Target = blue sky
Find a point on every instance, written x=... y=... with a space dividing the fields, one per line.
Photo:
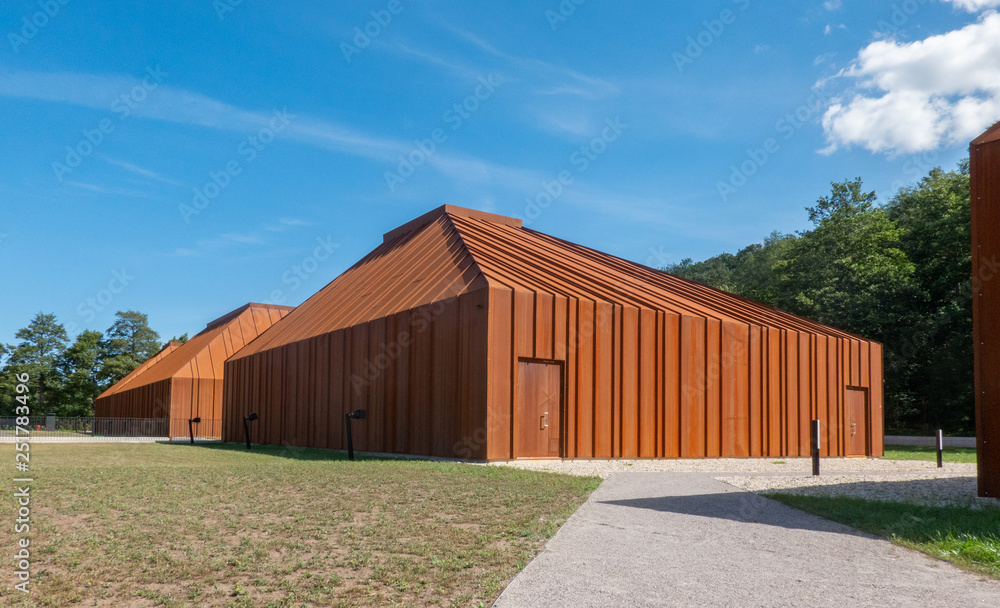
x=184 y=158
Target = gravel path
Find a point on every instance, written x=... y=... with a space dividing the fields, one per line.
x=900 y=480
x=676 y=539
x=604 y=468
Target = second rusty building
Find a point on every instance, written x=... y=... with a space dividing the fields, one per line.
x=465 y=334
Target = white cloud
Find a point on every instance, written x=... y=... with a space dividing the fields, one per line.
x=913 y=97
x=141 y=171
x=974 y=6
x=832 y=5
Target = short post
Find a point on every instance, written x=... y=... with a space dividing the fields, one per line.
x=191 y=423
x=246 y=426
x=940 y=448
x=814 y=432
x=350 y=440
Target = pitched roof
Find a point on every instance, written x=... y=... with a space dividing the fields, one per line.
x=451 y=250
x=991 y=135
x=203 y=355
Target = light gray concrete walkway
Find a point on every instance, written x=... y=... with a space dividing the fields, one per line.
x=685 y=539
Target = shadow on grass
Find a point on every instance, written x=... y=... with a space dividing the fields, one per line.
x=276 y=451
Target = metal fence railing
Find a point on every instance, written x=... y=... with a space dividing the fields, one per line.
x=55 y=429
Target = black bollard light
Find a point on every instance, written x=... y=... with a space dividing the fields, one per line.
x=191 y=423
x=246 y=427
x=940 y=448
x=358 y=414
x=815 y=446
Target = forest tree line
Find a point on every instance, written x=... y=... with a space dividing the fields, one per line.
x=66 y=377
x=899 y=273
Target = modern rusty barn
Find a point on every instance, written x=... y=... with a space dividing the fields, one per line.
x=467 y=335
x=984 y=166
x=184 y=381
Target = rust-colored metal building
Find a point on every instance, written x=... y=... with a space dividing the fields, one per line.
x=984 y=166
x=465 y=334
x=184 y=381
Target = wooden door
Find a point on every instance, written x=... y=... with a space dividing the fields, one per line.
x=857 y=422
x=539 y=400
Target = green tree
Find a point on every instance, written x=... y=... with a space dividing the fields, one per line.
x=849 y=270
x=78 y=367
x=42 y=342
x=935 y=353
x=125 y=346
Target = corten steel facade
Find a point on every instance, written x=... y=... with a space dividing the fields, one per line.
x=184 y=381
x=467 y=335
x=984 y=165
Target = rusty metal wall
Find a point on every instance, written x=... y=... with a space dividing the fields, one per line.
x=984 y=157
x=643 y=383
x=185 y=380
x=420 y=374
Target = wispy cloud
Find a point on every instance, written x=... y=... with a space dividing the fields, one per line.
x=113 y=190
x=141 y=171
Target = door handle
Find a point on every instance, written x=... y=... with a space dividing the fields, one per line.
x=544 y=421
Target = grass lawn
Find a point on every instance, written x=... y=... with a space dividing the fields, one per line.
x=919 y=452
x=967 y=537
x=212 y=525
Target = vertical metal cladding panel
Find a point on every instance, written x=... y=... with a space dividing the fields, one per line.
x=604 y=400
x=757 y=355
x=629 y=376
x=692 y=417
x=876 y=393
x=421 y=355
x=672 y=385
x=713 y=394
x=544 y=325
x=821 y=393
x=586 y=403
x=445 y=390
x=806 y=403
x=374 y=378
x=472 y=374
x=734 y=387
x=321 y=394
x=501 y=375
x=616 y=381
x=775 y=392
x=571 y=352
x=649 y=352
x=791 y=409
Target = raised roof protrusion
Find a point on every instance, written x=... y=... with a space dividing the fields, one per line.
x=430 y=216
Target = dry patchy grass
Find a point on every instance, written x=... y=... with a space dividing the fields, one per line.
x=212 y=525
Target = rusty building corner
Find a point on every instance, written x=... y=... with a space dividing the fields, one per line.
x=984 y=168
